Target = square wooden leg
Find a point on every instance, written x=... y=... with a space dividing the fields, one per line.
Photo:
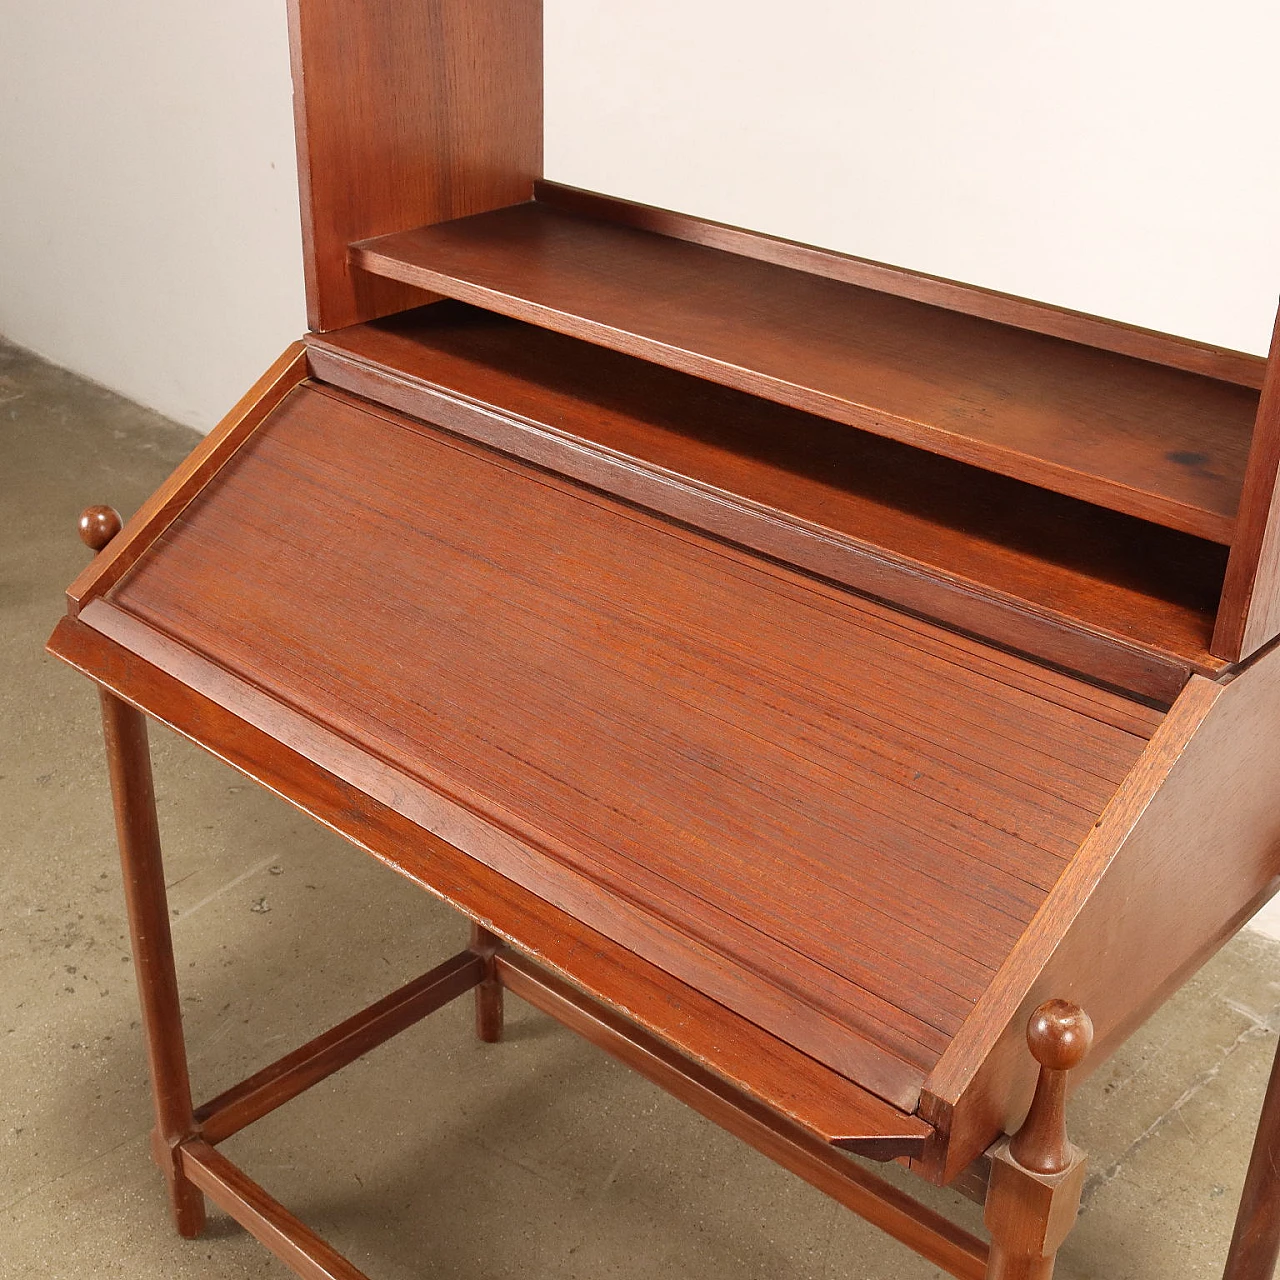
x=489 y=992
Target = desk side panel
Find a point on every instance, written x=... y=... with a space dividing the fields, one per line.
x=1184 y=854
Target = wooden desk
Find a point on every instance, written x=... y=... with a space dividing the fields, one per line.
x=841 y=694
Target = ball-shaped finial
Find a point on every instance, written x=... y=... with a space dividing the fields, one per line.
x=1059 y=1035
x=98 y=525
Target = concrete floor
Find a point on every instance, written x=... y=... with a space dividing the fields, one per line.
x=435 y=1156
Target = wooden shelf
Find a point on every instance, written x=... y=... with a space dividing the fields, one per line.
x=1165 y=445
x=1080 y=586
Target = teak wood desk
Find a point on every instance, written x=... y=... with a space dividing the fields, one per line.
x=844 y=695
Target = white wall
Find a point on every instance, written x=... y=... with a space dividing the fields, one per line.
x=148 y=194
x=1116 y=156
x=1111 y=155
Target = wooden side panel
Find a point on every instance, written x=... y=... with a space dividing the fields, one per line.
x=1186 y=851
x=407 y=114
x=1249 y=614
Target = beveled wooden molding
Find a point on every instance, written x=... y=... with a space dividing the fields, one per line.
x=1239 y=367
x=200 y=466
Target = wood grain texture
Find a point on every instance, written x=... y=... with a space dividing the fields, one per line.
x=1128 y=603
x=690 y=727
x=1188 y=849
x=1022 y=313
x=1249 y=614
x=407 y=114
x=109 y=565
x=1154 y=442
x=283 y=756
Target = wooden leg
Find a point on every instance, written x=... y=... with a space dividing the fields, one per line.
x=489 y=991
x=1255 y=1246
x=129 y=760
x=1037 y=1175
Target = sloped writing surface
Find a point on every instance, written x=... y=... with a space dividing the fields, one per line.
x=835 y=819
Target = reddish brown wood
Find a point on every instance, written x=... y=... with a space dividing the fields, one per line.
x=314 y=1061
x=919 y=805
x=98 y=525
x=1255 y=1242
x=204 y=461
x=929 y=1234
x=1154 y=442
x=1022 y=313
x=407 y=114
x=129 y=764
x=265 y=1218
x=1037 y=1176
x=1129 y=603
x=1249 y=615
x=489 y=990
x=1186 y=852
x=1059 y=1036
x=792 y=1085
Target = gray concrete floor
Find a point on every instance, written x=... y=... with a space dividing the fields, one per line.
x=435 y=1156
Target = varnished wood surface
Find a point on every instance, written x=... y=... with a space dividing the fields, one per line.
x=656 y=722
x=407 y=114
x=1023 y=313
x=1186 y=852
x=1136 y=437
x=1249 y=615
x=191 y=475
x=142 y=873
x=278 y=748
x=1130 y=603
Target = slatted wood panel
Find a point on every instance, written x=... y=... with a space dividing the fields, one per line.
x=855 y=812
x=846 y=504
x=1154 y=442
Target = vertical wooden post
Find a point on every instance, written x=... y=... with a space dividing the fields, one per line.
x=1037 y=1175
x=1255 y=1245
x=489 y=992
x=124 y=731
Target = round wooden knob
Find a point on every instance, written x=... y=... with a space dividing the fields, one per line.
x=1059 y=1035
x=98 y=525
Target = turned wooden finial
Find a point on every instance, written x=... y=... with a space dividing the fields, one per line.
x=98 y=525
x=1059 y=1035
